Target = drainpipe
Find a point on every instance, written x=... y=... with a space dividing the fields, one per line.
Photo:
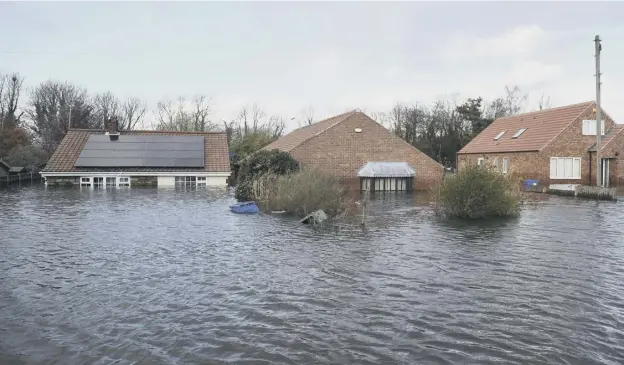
x=590 y=169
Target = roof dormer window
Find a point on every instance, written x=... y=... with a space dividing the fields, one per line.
x=519 y=133
x=498 y=136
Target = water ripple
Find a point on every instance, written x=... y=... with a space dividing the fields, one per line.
x=150 y=276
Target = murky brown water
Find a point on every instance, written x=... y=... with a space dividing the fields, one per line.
x=152 y=276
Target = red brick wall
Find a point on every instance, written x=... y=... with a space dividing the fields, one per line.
x=521 y=164
x=536 y=165
x=341 y=151
x=615 y=150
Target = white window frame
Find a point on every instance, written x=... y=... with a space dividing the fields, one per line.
x=557 y=162
x=201 y=180
x=519 y=132
x=187 y=180
x=102 y=183
x=86 y=181
x=495 y=163
x=480 y=161
x=588 y=127
x=505 y=165
x=500 y=135
x=123 y=181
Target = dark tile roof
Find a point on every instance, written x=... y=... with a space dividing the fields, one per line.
x=542 y=127
x=297 y=137
x=63 y=160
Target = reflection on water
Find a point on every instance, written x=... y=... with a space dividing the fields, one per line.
x=156 y=276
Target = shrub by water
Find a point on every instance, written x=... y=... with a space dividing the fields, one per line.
x=477 y=192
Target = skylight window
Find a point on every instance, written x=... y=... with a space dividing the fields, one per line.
x=519 y=133
x=498 y=136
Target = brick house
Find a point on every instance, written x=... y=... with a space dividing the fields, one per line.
x=347 y=143
x=553 y=146
x=112 y=158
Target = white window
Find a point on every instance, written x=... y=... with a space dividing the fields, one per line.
x=201 y=180
x=589 y=127
x=124 y=181
x=495 y=163
x=85 y=181
x=480 y=161
x=498 y=136
x=565 y=167
x=519 y=133
x=505 y=165
x=98 y=181
x=185 y=180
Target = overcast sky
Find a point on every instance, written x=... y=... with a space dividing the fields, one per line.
x=287 y=56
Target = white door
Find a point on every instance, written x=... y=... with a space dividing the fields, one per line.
x=605 y=172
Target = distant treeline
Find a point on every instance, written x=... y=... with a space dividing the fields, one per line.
x=34 y=121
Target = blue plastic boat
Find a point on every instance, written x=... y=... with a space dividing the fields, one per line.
x=244 y=208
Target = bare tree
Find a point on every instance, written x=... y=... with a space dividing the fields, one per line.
x=51 y=107
x=132 y=113
x=201 y=111
x=514 y=100
x=10 y=92
x=181 y=117
x=242 y=119
x=257 y=117
x=543 y=102
x=105 y=106
x=307 y=116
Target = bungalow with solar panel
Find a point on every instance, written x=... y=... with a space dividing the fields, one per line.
x=555 y=147
x=361 y=152
x=113 y=158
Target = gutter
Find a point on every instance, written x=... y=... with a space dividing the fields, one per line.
x=137 y=173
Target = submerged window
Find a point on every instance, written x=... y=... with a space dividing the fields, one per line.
x=124 y=181
x=498 y=136
x=186 y=180
x=518 y=133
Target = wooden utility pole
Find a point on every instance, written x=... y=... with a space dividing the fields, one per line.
x=598 y=114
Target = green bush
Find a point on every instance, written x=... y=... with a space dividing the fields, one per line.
x=300 y=193
x=477 y=192
x=273 y=162
x=26 y=156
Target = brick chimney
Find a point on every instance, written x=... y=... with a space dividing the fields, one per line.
x=113 y=126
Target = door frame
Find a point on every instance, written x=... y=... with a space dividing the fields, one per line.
x=605 y=171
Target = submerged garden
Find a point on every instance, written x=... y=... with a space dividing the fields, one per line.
x=277 y=183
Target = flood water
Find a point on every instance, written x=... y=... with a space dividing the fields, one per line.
x=147 y=276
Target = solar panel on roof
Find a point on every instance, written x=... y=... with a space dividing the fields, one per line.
x=189 y=154
x=142 y=151
x=158 y=162
x=188 y=162
x=128 y=154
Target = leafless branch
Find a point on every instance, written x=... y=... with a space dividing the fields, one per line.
x=133 y=113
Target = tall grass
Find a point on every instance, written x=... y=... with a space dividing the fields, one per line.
x=478 y=192
x=300 y=193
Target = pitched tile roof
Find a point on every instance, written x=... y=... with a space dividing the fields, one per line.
x=608 y=137
x=215 y=145
x=297 y=137
x=541 y=128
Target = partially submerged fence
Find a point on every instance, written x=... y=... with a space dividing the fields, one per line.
x=19 y=178
x=584 y=191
